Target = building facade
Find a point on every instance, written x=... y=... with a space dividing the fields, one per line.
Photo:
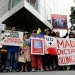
x=30 y=14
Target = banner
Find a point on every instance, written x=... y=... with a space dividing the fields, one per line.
x=37 y=46
x=66 y=51
x=50 y=45
x=59 y=21
x=13 y=38
x=1 y=40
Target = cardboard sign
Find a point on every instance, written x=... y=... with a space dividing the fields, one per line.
x=13 y=38
x=66 y=51
x=50 y=45
x=37 y=46
x=2 y=26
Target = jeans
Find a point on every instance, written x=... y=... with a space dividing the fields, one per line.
x=15 y=56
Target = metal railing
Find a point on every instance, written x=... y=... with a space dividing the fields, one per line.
x=6 y=5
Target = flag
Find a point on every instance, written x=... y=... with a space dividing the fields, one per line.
x=39 y=33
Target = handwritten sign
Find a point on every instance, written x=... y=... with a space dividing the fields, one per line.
x=13 y=38
x=66 y=51
x=50 y=45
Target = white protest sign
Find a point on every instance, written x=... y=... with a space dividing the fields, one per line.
x=13 y=38
x=2 y=26
x=50 y=45
x=1 y=40
x=66 y=51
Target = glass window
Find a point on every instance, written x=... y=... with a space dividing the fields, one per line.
x=42 y=11
x=47 y=8
x=42 y=3
x=52 y=3
x=14 y=2
x=48 y=17
x=52 y=12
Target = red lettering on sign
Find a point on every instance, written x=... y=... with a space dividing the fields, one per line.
x=60 y=43
x=13 y=40
x=72 y=43
x=61 y=52
x=67 y=44
x=65 y=60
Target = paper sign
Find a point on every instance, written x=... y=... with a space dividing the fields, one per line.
x=37 y=46
x=66 y=51
x=50 y=45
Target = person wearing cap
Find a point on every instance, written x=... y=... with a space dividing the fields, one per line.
x=47 y=58
x=35 y=58
x=12 y=50
x=25 y=52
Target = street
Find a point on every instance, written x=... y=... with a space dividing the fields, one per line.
x=41 y=73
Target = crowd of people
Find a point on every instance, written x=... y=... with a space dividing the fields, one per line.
x=31 y=62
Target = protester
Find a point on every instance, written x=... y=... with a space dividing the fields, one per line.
x=35 y=58
x=25 y=52
x=48 y=57
x=12 y=50
x=72 y=35
x=57 y=35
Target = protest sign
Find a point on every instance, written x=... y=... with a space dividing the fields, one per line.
x=1 y=40
x=50 y=45
x=66 y=51
x=13 y=38
x=37 y=46
x=2 y=26
x=59 y=21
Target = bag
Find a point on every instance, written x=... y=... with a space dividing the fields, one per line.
x=22 y=59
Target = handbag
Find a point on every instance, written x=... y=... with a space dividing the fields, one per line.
x=22 y=59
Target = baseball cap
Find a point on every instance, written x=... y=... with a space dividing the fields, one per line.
x=34 y=31
x=26 y=32
x=47 y=29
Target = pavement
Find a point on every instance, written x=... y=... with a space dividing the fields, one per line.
x=41 y=73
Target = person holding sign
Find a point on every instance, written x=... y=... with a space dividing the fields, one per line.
x=72 y=35
x=35 y=58
x=48 y=57
x=12 y=50
x=57 y=35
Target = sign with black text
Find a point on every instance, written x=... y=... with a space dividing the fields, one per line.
x=50 y=45
x=14 y=38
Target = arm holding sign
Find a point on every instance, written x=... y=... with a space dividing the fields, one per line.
x=65 y=35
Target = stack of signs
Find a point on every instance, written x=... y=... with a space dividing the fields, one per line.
x=50 y=45
x=13 y=38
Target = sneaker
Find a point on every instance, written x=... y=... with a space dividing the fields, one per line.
x=6 y=70
x=15 y=70
x=41 y=70
x=33 y=70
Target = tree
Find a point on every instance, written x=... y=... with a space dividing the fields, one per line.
x=72 y=19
